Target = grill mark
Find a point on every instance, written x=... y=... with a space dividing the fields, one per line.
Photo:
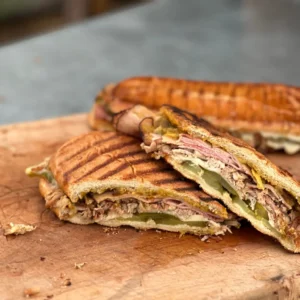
x=120 y=168
x=69 y=144
x=159 y=169
x=187 y=189
x=148 y=171
x=123 y=166
x=200 y=91
x=96 y=154
x=170 y=95
x=217 y=91
x=109 y=161
x=90 y=146
x=207 y=199
x=152 y=92
x=167 y=180
x=185 y=94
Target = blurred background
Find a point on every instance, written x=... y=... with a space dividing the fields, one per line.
x=60 y=72
x=20 y=19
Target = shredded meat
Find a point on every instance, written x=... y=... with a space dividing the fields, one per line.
x=236 y=174
x=110 y=208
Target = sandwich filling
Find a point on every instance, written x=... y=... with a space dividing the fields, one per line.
x=263 y=141
x=119 y=206
x=223 y=176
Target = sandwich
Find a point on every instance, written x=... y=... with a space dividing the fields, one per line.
x=224 y=166
x=265 y=115
x=106 y=178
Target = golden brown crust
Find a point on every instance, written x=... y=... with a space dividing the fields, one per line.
x=268 y=107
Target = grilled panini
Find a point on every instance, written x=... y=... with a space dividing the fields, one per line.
x=106 y=178
x=225 y=167
x=266 y=116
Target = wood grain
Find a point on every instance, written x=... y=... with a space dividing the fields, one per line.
x=123 y=264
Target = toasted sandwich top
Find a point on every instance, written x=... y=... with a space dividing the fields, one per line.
x=108 y=160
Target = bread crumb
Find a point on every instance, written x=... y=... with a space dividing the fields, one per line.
x=17 y=229
x=181 y=234
x=111 y=230
x=31 y=292
x=204 y=238
x=67 y=282
x=79 y=265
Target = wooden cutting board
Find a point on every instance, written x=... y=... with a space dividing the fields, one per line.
x=123 y=263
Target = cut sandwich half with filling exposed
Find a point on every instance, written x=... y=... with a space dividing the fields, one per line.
x=225 y=167
x=106 y=178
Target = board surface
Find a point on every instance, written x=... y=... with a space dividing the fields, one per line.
x=123 y=263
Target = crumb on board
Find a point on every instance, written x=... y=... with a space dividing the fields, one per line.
x=67 y=282
x=205 y=238
x=181 y=234
x=49 y=296
x=17 y=229
x=111 y=230
x=42 y=258
x=31 y=292
x=79 y=265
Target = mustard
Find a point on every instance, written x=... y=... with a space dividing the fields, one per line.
x=258 y=180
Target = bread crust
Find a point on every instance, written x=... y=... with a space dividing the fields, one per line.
x=240 y=106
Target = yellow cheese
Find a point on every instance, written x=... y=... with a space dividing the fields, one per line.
x=258 y=180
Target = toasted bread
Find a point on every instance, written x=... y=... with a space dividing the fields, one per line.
x=266 y=115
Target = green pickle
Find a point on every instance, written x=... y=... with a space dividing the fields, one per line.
x=260 y=211
x=165 y=219
x=220 y=184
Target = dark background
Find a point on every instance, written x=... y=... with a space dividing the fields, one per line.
x=23 y=18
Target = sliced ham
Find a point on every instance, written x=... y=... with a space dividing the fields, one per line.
x=208 y=151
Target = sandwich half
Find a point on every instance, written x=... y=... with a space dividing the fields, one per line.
x=225 y=167
x=106 y=178
x=265 y=115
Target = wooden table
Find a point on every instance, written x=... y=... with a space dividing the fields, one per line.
x=123 y=263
